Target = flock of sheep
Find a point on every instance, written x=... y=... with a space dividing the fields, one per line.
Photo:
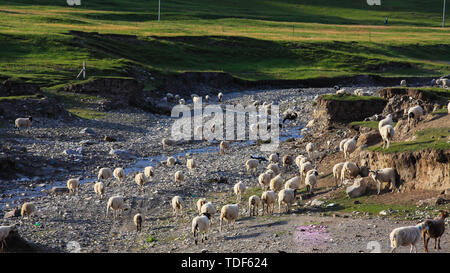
x=275 y=187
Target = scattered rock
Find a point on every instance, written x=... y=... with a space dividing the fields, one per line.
x=357 y=189
x=88 y=131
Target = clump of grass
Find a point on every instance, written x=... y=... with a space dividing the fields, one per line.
x=434 y=138
x=151 y=239
x=442 y=111
x=368 y=124
x=349 y=97
x=19 y=97
x=86 y=113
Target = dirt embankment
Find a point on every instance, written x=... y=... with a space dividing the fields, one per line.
x=36 y=107
x=13 y=88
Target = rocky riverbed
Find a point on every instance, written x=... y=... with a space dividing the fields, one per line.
x=53 y=151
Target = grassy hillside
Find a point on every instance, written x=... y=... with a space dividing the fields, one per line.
x=252 y=39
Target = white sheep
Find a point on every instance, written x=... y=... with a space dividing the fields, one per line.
x=414 y=114
x=264 y=179
x=274 y=168
x=220 y=96
x=200 y=203
x=273 y=158
x=389 y=175
x=200 y=224
x=4 y=232
x=251 y=165
x=23 y=122
x=403 y=83
x=140 y=179
x=149 y=172
x=310 y=148
x=253 y=205
x=268 y=199
x=448 y=108
x=179 y=177
x=387 y=133
x=167 y=142
x=341 y=91
x=207 y=98
x=196 y=99
x=177 y=205
x=137 y=220
x=359 y=92
x=276 y=183
x=404 y=236
x=182 y=102
x=286 y=196
x=119 y=174
x=299 y=160
x=311 y=180
x=349 y=169
x=341 y=144
x=27 y=210
x=190 y=164
x=99 y=189
x=305 y=167
x=224 y=146
x=171 y=161
x=293 y=183
x=105 y=174
x=239 y=189
x=115 y=203
x=349 y=147
x=209 y=208
x=73 y=184
x=229 y=213
x=386 y=121
x=337 y=169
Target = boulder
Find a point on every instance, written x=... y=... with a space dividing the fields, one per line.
x=59 y=190
x=368 y=139
x=357 y=189
x=13 y=213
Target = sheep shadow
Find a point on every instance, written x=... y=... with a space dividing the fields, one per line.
x=277 y=223
x=245 y=236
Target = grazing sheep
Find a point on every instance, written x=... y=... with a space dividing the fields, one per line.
x=140 y=179
x=305 y=167
x=253 y=205
x=99 y=189
x=229 y=213
x=167 y=142
x=251 y=165
x=359 y=92
x=119 y=174
x=293 y=183
x=341 y=144
x=276 y=183
x=404 y=236
x=105 y=173
x=137 y=219
x=27 y=210
x=200 y=224
x=337 y=169
x=224 y=147
x=286 y=196
x=274 y=168
x=196 y=99
x=386 y=121
x=200 y=203
x=179 y=177
x=268 y=199
x=207 y=98
x=299 y=160
x=311 y=180
x=349 y=146
x=443 y=82
x=287 y=160
x=73 y=184
x=414 y=114
x=289 y=115
x=435 y=229
x=273 y=158
x=389 y=175
x=403 y=83
x=171 y=161
x=182 y=102
x=349 y=169
x=239 y=189
x=177 y=205
x=209 y=208
x=115 y=203
x=23 y=122
x=264 y=179
x=309 y=149
x=448 y=108
x=149 y=172
x=4 y=232
x=190 y=164
x=220 y=96
x=387 y=133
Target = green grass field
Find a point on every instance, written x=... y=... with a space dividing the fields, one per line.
x=253 y=40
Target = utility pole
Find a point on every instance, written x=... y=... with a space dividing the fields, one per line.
x=443 y=15
x=159 y=10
